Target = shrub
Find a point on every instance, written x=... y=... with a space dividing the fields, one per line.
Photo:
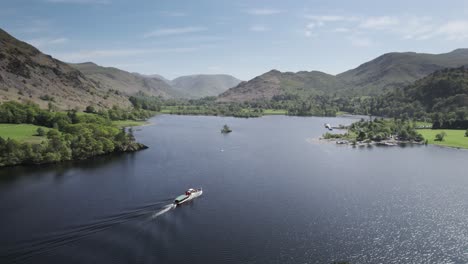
x=40 y=132
x=440 y=136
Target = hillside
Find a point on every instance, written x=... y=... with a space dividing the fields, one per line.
x=444 y=92
x=28 y=74
x=276 y=83
x=126 y=82
x=202 y=85
x=385 y=73
x=393 y=70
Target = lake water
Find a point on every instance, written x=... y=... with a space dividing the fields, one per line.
x=271 y=195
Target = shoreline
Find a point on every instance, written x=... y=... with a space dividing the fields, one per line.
x=384 y=143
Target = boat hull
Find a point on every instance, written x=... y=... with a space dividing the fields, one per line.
x=180 y=200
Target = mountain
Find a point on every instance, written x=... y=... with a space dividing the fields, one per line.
x=393 y=70
x=442 y=91
x=126 y=82
x=385 y=73
x=276 y=83
x=28 y=74
x=157 y=76
x=202 y=85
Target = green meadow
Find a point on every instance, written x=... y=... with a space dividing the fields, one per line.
x=454 y=138
x=21 y=132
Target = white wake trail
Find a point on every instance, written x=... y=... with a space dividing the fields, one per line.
x=165 y=209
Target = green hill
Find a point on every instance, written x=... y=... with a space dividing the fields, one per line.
x=444 y=92
x=276 y=84
x=396 y=70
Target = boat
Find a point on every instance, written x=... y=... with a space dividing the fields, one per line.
x=190 y=194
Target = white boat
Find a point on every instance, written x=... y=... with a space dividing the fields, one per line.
x=190 y=194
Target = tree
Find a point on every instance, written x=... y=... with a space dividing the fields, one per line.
x=40 y=132
x=440 y=136
x=90 y=109
x=226 y=129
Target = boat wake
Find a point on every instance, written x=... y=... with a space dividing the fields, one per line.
x=165 y=209
x=31 y=248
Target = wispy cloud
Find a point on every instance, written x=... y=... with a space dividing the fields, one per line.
x=382 y=22
x=79 y=1
x=46 y=42
x=173 y=31
x=454 y=30
x=263 y=11
x=331 y=18
x=405 y=27
x=341 y=30
x=108 y=53
x=259 y=28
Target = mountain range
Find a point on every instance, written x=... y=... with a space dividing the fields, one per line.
x=28 y=74
x=385 y=73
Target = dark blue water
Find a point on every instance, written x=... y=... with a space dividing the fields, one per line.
x=272 y=194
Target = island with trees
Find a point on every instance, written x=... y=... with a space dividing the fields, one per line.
x=378 y=131
x=226 y=129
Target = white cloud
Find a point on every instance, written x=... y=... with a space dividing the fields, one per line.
x=331 y=18
x=79 y=1
x=91 y=55
x=312 y=25
x=46 y=42
x=263 y=11
x=173 y=31
x=454 y=30
x=382 y=22
x=259 y=28
x=341 y=30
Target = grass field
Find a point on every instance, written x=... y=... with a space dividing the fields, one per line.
x=21 y=132
x=275 y=112
x=129 y=123
x=454 y=138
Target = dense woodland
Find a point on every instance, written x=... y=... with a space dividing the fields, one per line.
x=71 y=136
x=441 y=97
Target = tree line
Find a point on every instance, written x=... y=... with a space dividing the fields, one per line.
x=70 y=136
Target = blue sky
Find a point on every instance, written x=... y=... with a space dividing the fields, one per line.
x=239 y=37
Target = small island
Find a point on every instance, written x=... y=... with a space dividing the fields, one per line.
x=226 y=129
x=379 y=131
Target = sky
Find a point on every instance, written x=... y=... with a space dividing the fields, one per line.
x=244 y=38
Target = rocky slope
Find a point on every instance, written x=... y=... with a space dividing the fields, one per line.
x=28 y=74
x=126 y=82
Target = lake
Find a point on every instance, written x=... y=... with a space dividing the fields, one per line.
x=272 y=194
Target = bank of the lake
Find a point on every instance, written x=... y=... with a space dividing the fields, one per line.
x=63 y=136
x=129 y=123
x=454 y=138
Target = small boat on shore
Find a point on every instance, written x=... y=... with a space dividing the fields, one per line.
x=190 y=194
